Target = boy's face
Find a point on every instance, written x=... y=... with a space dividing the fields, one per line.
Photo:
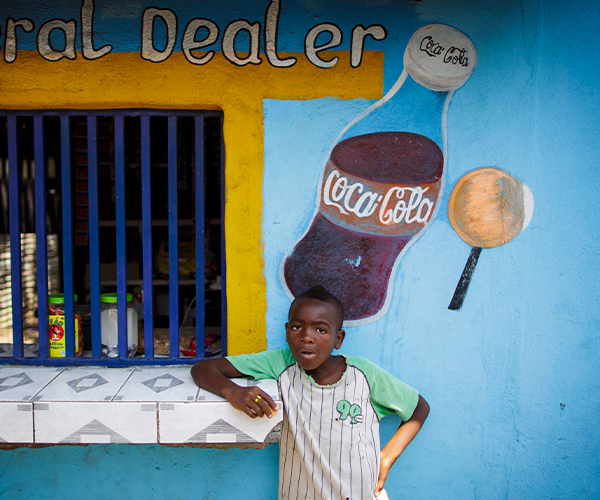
x=312 y=333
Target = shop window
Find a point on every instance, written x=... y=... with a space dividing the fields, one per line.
x=127 y=202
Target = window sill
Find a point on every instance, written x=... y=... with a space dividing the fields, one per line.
x=134 y=405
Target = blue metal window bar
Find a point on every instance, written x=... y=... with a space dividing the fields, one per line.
x=66 y=155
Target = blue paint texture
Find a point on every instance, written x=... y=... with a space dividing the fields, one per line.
x=513 y=378
x=138 y=471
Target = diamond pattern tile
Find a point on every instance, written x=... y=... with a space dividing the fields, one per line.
x=16 y=380
x=86 y=384
x=23 y=383
x=169 y=383
x=162 y=383
x=83 y=405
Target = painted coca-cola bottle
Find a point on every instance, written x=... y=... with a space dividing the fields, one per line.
x=382 y=181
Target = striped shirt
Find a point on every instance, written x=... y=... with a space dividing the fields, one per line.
x=330 y=445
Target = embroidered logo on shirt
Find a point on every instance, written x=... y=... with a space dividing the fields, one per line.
x=353 y=411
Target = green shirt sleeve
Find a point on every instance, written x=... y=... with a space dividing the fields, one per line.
x=388 y=394
x=263 y=365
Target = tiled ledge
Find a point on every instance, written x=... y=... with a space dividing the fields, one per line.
x=135 y=405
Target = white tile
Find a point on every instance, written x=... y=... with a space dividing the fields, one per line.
x=83 y=405
x=22 y=383
x=212 y=423
x=169 y=383
x=86 y=384
x=16 y=422
x=79 y=422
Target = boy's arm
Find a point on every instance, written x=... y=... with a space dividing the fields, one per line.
x=213 y=375
x=400 y=440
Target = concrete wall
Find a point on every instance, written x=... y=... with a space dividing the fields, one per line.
x=512 y=377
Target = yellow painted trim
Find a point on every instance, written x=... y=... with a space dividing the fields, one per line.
x=124 y=80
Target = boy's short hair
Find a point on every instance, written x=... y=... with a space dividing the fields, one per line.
x=319 y=292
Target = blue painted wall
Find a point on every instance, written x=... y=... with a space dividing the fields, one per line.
x=513 y=378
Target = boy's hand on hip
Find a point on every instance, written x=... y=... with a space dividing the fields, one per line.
x=385 y=464
x=253 y=401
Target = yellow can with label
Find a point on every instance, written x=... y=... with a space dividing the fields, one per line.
x=56 y=327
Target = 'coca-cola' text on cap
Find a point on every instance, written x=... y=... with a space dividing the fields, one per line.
x=440 y=58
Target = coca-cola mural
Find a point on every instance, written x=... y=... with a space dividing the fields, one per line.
x=363 y=224
x=382 y=181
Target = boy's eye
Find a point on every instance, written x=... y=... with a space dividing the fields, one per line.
x=295 y=327
x=321 y=330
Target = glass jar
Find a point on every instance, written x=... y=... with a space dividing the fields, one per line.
x=109 y=326
x=56 y=326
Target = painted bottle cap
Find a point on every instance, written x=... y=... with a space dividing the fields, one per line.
x=440 y=58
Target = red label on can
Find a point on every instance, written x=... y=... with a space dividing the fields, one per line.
x=56 y=333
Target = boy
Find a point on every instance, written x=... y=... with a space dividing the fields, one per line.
x=330 y=440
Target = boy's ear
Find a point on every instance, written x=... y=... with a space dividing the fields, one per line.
x=340 y=336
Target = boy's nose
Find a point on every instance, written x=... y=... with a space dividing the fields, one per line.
x=306 y=338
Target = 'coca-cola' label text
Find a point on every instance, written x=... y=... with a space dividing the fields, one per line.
x=374 y=207
x=452 y=54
